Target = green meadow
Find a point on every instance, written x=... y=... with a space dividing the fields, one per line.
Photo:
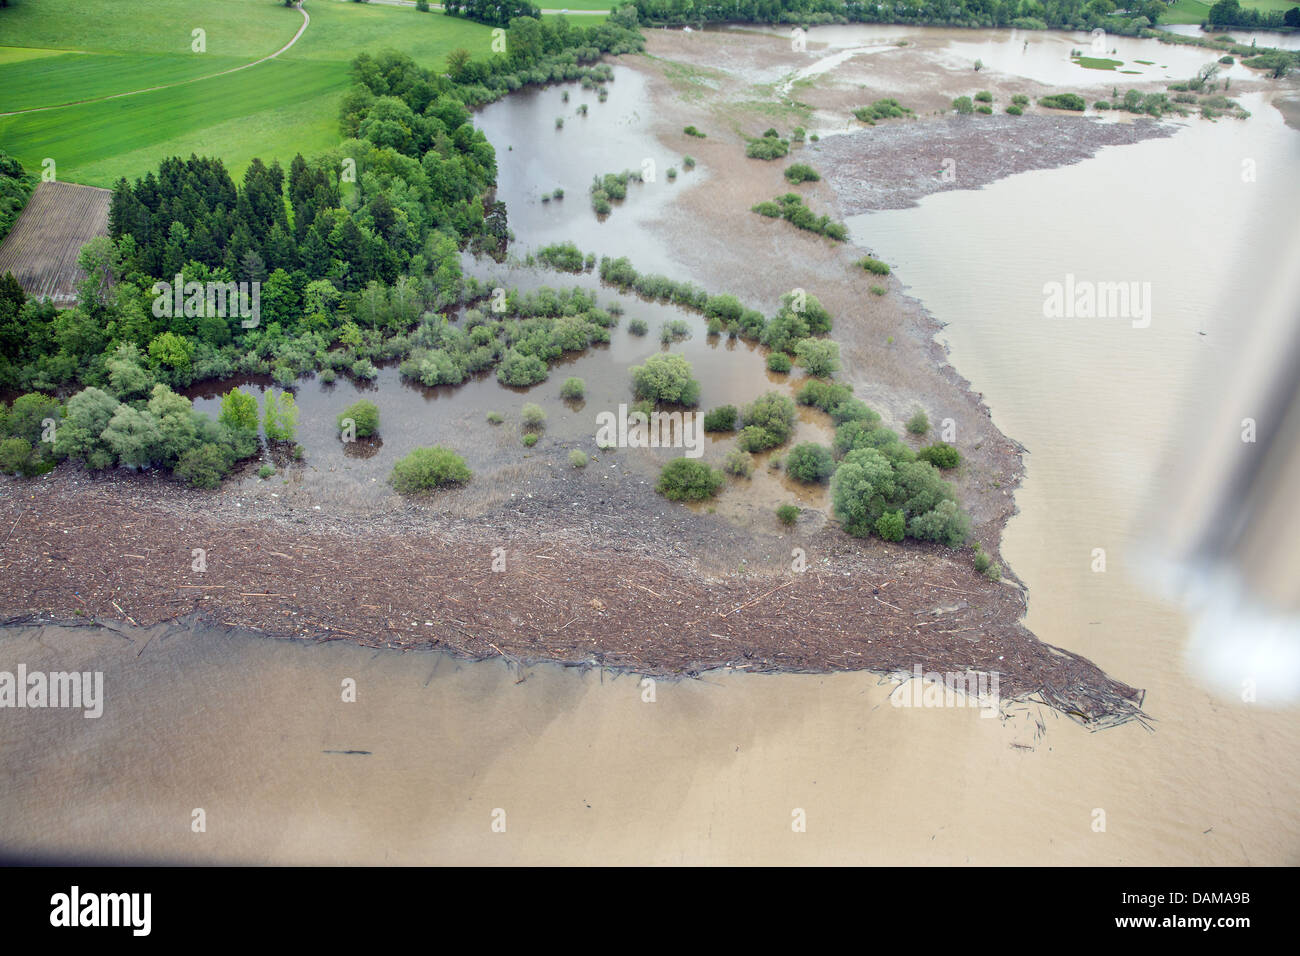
x=1195 y=11
x=272 y=110
x=1097 y=63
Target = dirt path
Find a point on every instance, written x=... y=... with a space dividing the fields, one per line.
x=306 y=20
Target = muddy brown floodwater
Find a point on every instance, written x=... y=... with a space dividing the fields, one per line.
x=594 y=765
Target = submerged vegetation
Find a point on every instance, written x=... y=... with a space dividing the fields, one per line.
x=791 y=208
x=530 y=333
x=801 y=173
x=429 y=469
x=666 y=378
x=1064 y=101
x=881 y=110
x=685 y=479
x=768 y=146
x=612 y=187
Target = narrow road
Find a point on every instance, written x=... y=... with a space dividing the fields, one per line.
x=306 y=20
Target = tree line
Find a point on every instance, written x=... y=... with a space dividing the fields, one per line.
x=1022 y=14
x=1230 y=13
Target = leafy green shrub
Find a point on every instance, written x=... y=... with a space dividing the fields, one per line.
x=945 y=523
x=767 y=147
x=364 y=416
x=878 y=290
x=26 y=419
x=1015 y=110
x=984 y=96
x=994 y=573
x=853 y=435
x=665 y=378
x=941 y=455
x=638 y=327
x=874 y=266
x=984 y=109
x=820 y=358
x=739 y=463
x=1064 y=101
x=853 y=410
x=810 y=462
x=778 y=362
x=982 y=561
x=881 y=110
x=520 y=370
x=203 y=466
x=791 y=208
x=17 y=458
x=495 y=418
x=427 y=469
x=563 y=256
x=721 y=419
x=824 y=395
x=787 y=514
x=801 y=173
x=674 y=330
x=530 y=439
x=672 y=172
x=963 y=105
x=238 y=410
x=281 y=416
x=1104 y=106
x=685 y=479
x=266 y=471
x=769 y=421
x=578 y=458
x=918 y=424
x=891 y=526
x=692 y=131
x=753 y=438
x=1020 y=99
x=573 y=388
x=532 y=415
x=869 y=483
x=688 y=162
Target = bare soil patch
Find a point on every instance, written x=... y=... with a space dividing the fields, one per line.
x=42 y=248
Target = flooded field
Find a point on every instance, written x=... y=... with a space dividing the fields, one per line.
x=730 y=371
x=585 y=768
x=1263 y=38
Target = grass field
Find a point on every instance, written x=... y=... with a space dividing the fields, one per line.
x=55 y=51
x=1194 y=11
